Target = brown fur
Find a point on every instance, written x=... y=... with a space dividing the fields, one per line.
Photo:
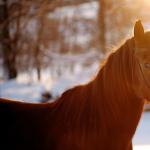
x=101 y=115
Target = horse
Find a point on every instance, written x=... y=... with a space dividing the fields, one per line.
x=102 y=114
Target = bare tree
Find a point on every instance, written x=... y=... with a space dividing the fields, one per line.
x=29 y=33
x=5 y=41
x=115 y=20
x=102 y=24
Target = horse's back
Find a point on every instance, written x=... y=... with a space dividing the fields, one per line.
x=23 y=125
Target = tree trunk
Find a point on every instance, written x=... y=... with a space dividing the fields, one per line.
x=102 y=25
x=38 y=72
x=7 y=51
x=37 y=52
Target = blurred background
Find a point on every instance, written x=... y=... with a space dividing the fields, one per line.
x=48 y=46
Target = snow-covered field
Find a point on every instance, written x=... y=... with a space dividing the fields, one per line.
x=141 y=139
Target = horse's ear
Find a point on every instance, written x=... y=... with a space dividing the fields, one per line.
x=138 y=32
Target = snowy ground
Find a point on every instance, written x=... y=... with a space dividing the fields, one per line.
x=141 y=139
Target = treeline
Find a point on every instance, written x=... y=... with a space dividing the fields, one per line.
x=30 y=31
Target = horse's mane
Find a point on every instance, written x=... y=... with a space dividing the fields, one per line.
x=97 y=104
x=118 y=74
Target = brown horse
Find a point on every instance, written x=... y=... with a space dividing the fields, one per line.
x=101 y=115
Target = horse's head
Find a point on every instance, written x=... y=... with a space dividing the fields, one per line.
x=142 y=54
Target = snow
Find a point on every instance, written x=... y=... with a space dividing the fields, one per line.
x=21 y=91
x=143 y=147
x=143 y=130
x=27 y=88
x=141 y=139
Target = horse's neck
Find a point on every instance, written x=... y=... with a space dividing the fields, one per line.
x=115 y=91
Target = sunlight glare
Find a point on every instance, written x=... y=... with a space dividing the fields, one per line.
x=146 y=2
